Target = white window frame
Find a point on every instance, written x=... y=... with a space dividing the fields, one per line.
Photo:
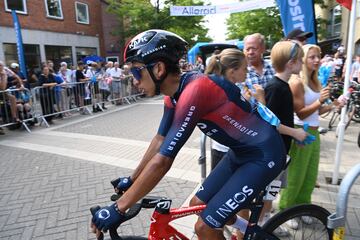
x=21 y=12
x=50 y=16
x=87 y=10
x=358 y=9
x=109 y=57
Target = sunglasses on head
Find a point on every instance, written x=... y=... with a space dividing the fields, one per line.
x=136 y=71
x=293 y=50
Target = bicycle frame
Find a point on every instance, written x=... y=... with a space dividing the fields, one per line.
x=163 y=215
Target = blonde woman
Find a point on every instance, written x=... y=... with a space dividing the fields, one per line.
x=308 y=100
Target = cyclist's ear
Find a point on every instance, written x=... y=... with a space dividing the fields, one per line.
x=159 y=70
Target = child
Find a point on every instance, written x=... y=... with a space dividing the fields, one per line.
x=286 y=57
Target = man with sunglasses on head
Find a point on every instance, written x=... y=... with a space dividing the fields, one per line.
x=216 y=106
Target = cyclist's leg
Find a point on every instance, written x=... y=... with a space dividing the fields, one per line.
x=239 y=190
x=215 y=181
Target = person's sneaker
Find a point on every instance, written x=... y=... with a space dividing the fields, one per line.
x=293 y=223
x=282 y=231
x=307 y=220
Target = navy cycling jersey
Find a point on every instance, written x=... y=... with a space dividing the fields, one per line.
x=217 y=107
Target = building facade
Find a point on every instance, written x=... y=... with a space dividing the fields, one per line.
x=57 y=30
x=337 y=24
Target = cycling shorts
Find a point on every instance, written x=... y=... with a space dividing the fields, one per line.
x=234 y=183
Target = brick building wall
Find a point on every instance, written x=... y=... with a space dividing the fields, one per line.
x=36 y=18
x=111 y=26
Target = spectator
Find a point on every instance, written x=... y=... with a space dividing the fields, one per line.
x=128 y=78
x=23 y=102
x=116 y=75
x=299 y=35
x=7 y=97
x=259 y=71
x=341 y=50
x=308 y=99
x=47 y=94
x=16 y=69
x=286 y=59
x=94 y=73
x=80 y=87
x=67 y=77
x=355 y=69
x=338 y=63
x=326 y=70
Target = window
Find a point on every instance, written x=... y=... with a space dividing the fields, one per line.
x=358 y=9
x=58 y=54
x=31 y=54
x=53 y=9
x=82 y=52
x=82 y=13
x=112 y=58
x=334 y=25
x=18 y=5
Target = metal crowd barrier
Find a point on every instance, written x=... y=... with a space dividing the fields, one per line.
x=337 y=220
x=16 y=104
x=62 y=99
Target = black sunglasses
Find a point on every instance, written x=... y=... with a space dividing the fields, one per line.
x=136 y=71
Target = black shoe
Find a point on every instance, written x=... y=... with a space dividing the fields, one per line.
x=103 y=107
x=98 y=109
x=95 y=110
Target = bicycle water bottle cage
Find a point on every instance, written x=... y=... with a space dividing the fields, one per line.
x=163 y=206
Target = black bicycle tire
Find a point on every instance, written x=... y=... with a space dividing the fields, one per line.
x=312 y=210
x=333 y=118
x=350 y=113
x=356 y=116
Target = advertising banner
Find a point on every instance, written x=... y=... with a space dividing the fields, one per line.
x=217 y=9
x=298 y=14
x=19 y=43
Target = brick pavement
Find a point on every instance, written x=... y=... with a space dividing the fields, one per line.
x=109 y=143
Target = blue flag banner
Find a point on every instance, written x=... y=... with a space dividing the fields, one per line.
x=298 y=14
x=19 y=43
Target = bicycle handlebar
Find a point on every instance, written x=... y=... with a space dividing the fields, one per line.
x=147 y=202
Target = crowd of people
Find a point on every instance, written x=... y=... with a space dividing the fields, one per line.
x=61 y=91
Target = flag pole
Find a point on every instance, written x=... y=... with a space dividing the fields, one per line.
x=350 y=47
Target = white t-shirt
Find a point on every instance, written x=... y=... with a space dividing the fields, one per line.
x=115 y=73
x=355 y=68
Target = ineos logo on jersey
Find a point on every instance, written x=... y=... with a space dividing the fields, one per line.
x=201 y=188
x=104 y=214
x=231 y=204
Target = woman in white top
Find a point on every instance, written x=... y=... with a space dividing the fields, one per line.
x=308 y=98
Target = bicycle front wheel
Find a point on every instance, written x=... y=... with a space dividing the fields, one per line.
x=311 y=223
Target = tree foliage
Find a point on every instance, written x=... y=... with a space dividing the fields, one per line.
x=140 y=15
x=264 y=21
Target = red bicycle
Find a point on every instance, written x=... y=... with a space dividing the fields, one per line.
x=164 y=214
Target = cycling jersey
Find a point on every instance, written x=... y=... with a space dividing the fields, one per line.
x=217 y=107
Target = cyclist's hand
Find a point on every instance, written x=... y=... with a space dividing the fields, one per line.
x=122 y=184
x=107 y=217
x=324 y=94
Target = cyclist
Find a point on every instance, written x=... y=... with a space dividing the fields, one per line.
x=214 y=104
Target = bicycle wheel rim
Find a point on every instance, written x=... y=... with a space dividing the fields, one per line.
x=315 y=231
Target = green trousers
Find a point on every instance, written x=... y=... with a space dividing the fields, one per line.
x=302 y=173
